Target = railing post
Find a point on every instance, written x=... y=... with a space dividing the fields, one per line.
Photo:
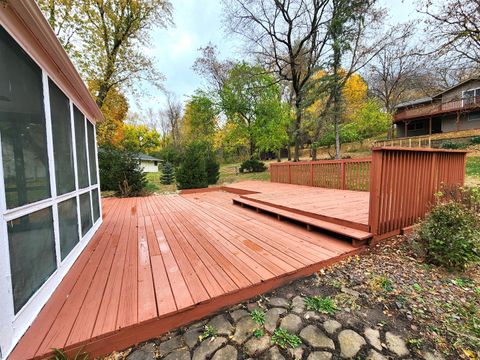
x=311 y=174
x=375 y=191
x=342 y=174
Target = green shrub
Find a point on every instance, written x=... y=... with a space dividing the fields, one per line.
x=252 y=165
x=191 y=173
x=450 y=235
x=168 y=174
x=284 y=339
x=475 y=140
x=324 y=305
x=453 y=145
x=213 y=169
x=120 y=171
x=169 y=154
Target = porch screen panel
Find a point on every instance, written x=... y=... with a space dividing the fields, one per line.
x=22 y=126
x=82 y=166
x=68 y=224
x=91 y=153
x=32 y=254
x=62 y=140
x=85 y=212
x=95 y=205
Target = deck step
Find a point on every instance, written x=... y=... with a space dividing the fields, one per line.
x=358 y=236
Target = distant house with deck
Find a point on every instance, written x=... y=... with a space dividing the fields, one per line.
x=148 y=163
x=455 y=109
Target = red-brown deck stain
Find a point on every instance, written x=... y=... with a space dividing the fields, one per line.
x=253 y=246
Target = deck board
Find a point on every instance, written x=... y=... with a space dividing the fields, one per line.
x=160 y=262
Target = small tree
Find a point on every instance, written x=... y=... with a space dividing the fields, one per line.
x=168 y=174
x=120 y=171
x=192 y=172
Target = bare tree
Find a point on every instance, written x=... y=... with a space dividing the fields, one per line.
x=395 y=70
x=211 y=68
x=288 y=36
x=172 y=115
x=454 y=28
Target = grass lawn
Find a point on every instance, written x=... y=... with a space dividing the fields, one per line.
x=228 y=174
x=473 y=171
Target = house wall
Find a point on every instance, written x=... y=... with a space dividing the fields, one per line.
x=149 y=166
x=15 y=319
x=467 y=122
x=456 y=93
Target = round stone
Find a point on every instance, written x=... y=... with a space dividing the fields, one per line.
x=244 y=330
x=373 y=337
x=208 y=347
x=292 y=323
x=350 y=343
x=168 y=346
x=271 y=318
x=331 y=326
x=238 y=314
x=222 y=325
x=396 y=344
x=275 y=354
x=373 y=355
x=319 y=355
x=314 y=337
x=226 y=353
x=256 y=346
x=181 y=354
x=279 y=302
x=298 y=304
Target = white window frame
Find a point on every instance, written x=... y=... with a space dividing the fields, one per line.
x=13 y=326
x=476 y=94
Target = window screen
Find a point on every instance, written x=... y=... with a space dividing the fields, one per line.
x=91 y=153
x=22 y=126
x=95 y=205
x=85 y=212
x=62 y=140
x=32 y=254
x=68 y=223
x=81 y=147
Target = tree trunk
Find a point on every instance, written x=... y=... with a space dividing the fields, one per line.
x=289 y=153
x=296 y=130
x=279 y=156
x=314 y=153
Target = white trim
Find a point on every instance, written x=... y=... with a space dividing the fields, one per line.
x=51 y=165
x=98 y=171
x=6 y=296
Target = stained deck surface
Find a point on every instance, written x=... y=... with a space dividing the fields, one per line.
x=160 y=262
x=346 y=205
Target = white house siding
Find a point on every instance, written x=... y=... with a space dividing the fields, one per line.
x=149 y=166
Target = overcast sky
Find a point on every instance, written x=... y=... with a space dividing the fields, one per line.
x=198 y=22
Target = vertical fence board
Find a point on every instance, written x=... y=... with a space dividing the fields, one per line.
x=404 y=181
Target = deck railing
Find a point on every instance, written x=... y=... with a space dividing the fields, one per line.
x=403 y=184
x=436 y=108
x=349 y=174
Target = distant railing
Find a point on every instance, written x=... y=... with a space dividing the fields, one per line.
x=439 y=108
x=403 y=184
x=349 y=174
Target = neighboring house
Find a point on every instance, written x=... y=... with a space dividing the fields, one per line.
x=454 y=109
x=148 y=163
x=49 y=189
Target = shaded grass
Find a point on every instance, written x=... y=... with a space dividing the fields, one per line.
x=228 y=174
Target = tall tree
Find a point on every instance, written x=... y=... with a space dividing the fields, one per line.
x=250 y=98
x=289 y=37
x=172 y=116
x=211 y=68
x=200 y=118
x=109 y=38
x=352 y=46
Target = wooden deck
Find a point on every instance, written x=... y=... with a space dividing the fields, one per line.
x=160 y=262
